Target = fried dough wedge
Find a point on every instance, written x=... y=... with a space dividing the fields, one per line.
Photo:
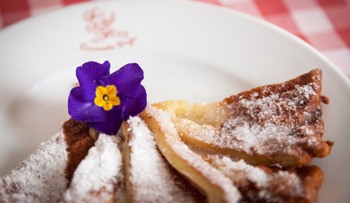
x=273 y=124
x=149 y=177
x=45 y=174
x=270 y=184
x=99 y=177
x=210 y=181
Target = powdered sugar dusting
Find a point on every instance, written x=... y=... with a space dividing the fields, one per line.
x=97 y=176
x=231 y=194
x=151 y=177
x=275 y=119
x=305 y=90
x=41 y=177
x=239 y=172
x=256 y=138
x=276 y=108
x=242 y=137
x=270 y=186
x=206 y=133
x=262 y=121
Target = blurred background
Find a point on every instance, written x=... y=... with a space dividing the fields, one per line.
x=325 y=24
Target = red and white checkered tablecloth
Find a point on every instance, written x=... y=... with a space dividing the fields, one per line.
x=325 y=24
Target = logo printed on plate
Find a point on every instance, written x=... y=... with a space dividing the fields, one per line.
x=103 y=32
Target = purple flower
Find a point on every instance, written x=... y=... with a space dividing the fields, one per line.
x=105 y=100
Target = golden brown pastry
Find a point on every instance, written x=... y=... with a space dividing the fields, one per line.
x=45 y=174
x=149 y=177
x=210 y=181
x=273 y=124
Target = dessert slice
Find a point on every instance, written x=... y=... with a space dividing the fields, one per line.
x=270 y=184
x=149 y=177
x=273 y=124
x=99 y=176
x=44 y=175
x=209 y=180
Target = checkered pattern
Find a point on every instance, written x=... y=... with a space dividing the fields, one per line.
x=325 y=24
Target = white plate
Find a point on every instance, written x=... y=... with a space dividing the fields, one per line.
x=188 y=50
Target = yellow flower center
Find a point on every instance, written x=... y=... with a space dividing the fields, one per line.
x=106 y=97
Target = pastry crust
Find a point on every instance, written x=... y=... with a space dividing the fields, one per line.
x=149 y=177
x=78 y=142
x=270 y=183
x=273 y=124
x=99 y=176
x=210 y=181
x=45 y=174
x=249 y=183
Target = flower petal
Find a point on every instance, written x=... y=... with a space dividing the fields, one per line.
x=111 y=90
x=88 y=75
x=100 y=91
x=115 y=101
x=136 y=105
x=107 y=106
x=81 y=110
x=112 y=124
x=126 y=79
x=99 y=101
